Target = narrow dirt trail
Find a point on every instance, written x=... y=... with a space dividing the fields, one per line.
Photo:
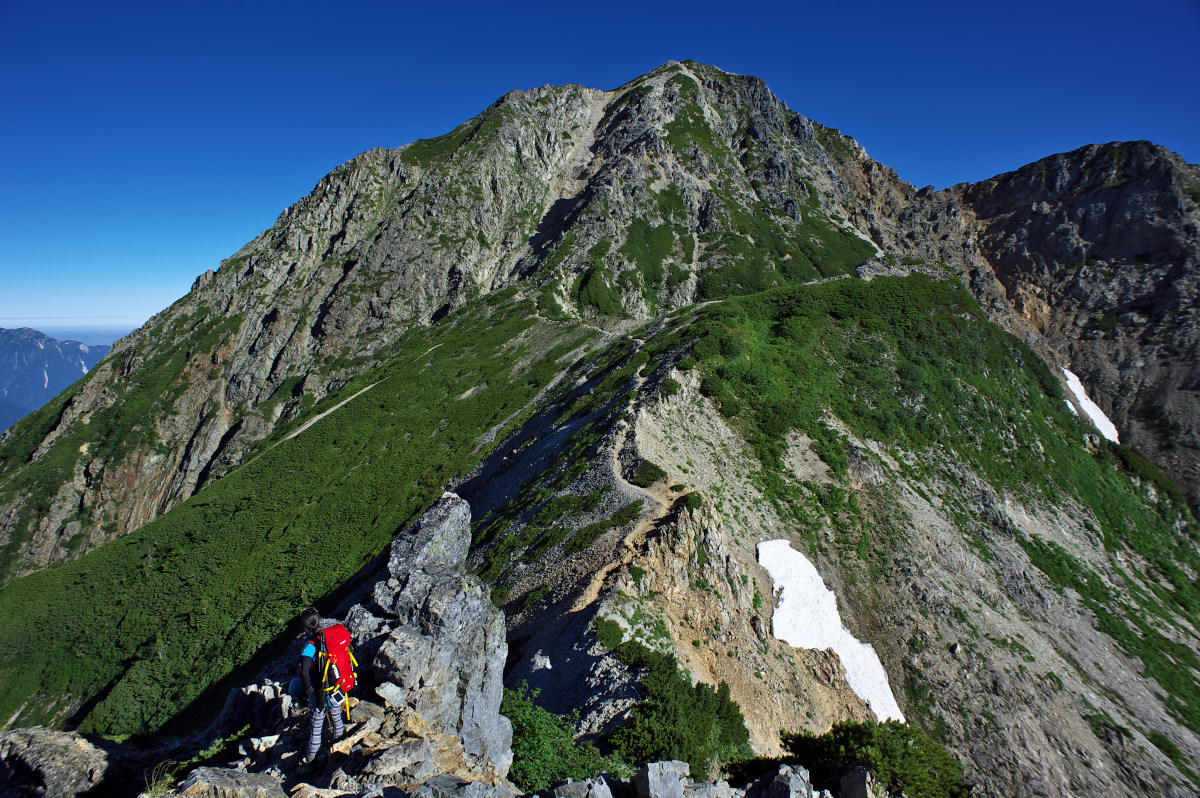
x=336 y=407
x=310 y=422
x=624 y=549
x=322 y=415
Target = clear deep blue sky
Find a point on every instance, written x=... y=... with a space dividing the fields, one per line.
x=140 y=143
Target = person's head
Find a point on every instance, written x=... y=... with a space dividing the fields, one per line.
x=310 y=619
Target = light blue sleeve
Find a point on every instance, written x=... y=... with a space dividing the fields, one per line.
x=309 y=651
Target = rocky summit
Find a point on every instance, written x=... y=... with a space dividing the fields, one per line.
x=637 y=333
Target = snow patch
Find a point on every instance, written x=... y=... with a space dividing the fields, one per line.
x=1090 y=408
x=807 y=617
x=855 y=231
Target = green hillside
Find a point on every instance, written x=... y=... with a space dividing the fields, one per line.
x=143 y=625
x=913 y=365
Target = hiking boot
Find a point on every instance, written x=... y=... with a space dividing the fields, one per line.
x=309 y=764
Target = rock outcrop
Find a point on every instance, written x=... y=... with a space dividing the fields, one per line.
x=50 y=763
x=1098 y=250
x=431 y=648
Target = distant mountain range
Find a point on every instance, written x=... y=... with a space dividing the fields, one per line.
x=35 y=367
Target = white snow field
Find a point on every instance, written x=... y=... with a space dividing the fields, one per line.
x=807 y=617
x=1093 y=411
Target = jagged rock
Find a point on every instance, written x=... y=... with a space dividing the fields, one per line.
x=1109 y=230
x=704 y=789
x=40 y=761
x=789 y=781
x=450 y=787
x=414 y=753
x=369 y=726
x=444 y=654
x=309 y=791
x=392 y=695
x=408 y=764
x=362 y=711
x=587 y=788
x=661 y=779
x=430 y=543
x=209 y=782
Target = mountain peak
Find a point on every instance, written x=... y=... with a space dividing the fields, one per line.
x=641 y=330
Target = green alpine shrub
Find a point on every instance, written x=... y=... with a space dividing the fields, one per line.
x=901 y=757
x=698 y=724
x=543 y=751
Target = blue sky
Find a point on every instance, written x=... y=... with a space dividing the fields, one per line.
x=140 y=143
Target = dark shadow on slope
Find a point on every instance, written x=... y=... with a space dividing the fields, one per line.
x=565 y=640
x=562 y=216
x=204 y=711
x=528 y=452
x=222 y=449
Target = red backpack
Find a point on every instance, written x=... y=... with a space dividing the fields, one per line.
x=334 y=662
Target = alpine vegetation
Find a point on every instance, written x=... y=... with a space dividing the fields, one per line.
x=559 y=415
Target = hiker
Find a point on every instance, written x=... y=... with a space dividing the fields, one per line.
x=327 y=672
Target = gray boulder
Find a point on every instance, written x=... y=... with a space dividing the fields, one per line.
x=432 y=542
x=704 y=789
x=208 y=782
x=588 y=788
x=661 y=779
x=39 y=761
x=790 y=781
x=447 y=786
x=444 y=649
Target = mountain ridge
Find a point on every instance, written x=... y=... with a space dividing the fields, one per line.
x=597 y=242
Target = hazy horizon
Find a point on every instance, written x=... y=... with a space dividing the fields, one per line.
x=87 y=334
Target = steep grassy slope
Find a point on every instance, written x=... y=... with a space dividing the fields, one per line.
x=136 y=630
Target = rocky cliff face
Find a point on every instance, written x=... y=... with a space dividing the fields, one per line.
x=1099 y=251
